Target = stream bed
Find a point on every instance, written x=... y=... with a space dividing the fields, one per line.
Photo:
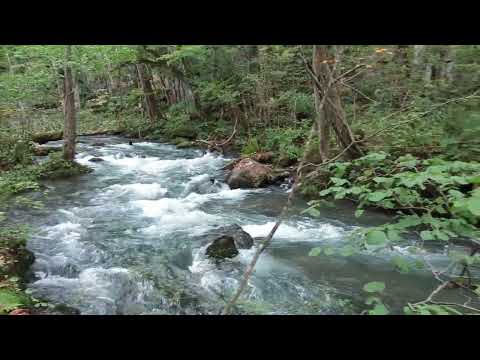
x=124 y=239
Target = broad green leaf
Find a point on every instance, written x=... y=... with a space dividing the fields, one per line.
x=377 y=196
x=312 y=211
x=401 y=264
x=379 y=309
x=374 y=286
x=338 y=182
x=325 y=192
x=373 y=300
x=315 y=251
x=329 y=251
x=393 y=235
x=347 y=250
x=356 y=190
x=376 y=237
x=474 y=205
x=427 y=235
x=359 y=212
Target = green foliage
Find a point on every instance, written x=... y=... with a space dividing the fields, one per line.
x=251 y=147
x=13 y=236
x=10 y=300
x=435 y=197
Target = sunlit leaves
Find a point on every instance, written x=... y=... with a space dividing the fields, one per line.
x=374 y=287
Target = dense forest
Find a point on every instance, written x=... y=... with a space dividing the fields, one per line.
x=382 y=138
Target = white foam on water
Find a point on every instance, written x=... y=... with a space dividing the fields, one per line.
x=174 y=214
x=98 y=290
x=223 y=194
x=138 y=191
x=154 y=166
x=293 y=233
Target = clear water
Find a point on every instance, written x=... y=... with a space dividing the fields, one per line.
x=125 y=239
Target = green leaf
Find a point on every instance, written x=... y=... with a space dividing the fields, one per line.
x=474 y=205
x=325 y=192
x=401 y=264
x=379 y=309
x=359 y=212
x=380 y=179
x=419 y=264
x=347 y=250
x=427 y=235
x=338 y=182
x=373 y=300
x=329 y=251
x=315 y=251
x=393 y=235
x=312 y=211
x=376 y=237
x=374 y=286
x=356 y=190
x=377 y=196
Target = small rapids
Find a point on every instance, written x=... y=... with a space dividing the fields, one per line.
x=125 y=239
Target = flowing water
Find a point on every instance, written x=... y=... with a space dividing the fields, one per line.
x=125 y=239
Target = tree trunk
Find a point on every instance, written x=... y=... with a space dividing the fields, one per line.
x=146 y=86
x=69 y=129
x=76 y=92
x=446 y=67
x=323 y=127
x=333 y=114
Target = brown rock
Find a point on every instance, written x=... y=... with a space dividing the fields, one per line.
x=249 y=173
x=19 y=312
x=263 y=157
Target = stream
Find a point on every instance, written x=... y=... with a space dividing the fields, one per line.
x=124 y=239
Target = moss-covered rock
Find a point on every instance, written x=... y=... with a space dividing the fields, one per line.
x=57 y=167
x=42 y=138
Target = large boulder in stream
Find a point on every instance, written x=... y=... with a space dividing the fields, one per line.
x=226 y=240
x=249 y=173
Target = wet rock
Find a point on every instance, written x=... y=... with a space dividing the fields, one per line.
x=226 y=240
x=242 y=239
x=249 y=173
x=222 y=247
x=98 y=144
x=39 y=150
x=96 y=159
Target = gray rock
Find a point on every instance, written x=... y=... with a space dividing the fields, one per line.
x=96 y=159
x=226 y=240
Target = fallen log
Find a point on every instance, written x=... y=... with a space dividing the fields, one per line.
x=42 y=138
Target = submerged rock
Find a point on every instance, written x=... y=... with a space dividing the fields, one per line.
x=98 y=144
x=249 y=173
x=96 y=159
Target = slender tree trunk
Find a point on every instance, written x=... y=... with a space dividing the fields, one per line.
x=76 y=92
x=323 y=127
x=446 y=67
x=146 y=86
x=333 y=112
x=69 y=129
